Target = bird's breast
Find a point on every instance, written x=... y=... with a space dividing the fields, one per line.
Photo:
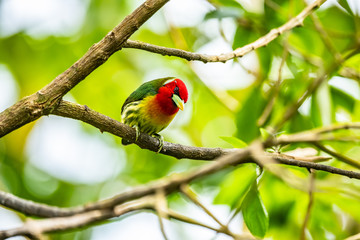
x=154 y=111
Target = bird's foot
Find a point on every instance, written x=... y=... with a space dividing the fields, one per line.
x=161 y=141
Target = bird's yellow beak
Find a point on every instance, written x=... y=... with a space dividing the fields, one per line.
x=177 y=100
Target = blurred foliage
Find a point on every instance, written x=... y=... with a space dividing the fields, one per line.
x=271 y=207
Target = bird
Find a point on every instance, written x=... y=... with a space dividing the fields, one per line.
x=152 y=106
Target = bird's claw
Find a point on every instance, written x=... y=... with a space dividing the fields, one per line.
x=161 y=141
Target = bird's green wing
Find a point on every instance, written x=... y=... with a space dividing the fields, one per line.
x=146 y=89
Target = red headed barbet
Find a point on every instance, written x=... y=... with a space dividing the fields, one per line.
x=151 y=107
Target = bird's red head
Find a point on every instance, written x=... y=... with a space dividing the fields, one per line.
x=178 y=87
x=171 y=94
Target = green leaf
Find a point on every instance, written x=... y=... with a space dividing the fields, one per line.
x=345 y=5
x=255 y=215
x=264 y=133
x=321 y=106
x=354 y=61
x=274 y=14
x=336 y=20
x=235 y=142
x=343 y=99
x=243 y=36
x=300 y=123
x=307 y=41
x=236 y=184
x=246 y=118
x=356 y=112
x=265 y=59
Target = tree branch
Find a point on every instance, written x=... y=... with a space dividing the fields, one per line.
x=47 y=99
x=76 y=217
x=316 y=166
x=261 y=42
x=168 y=184
x=33 y=228
x=340 y=157
x=107 y=124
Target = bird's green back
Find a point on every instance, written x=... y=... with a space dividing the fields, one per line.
x=146 y=89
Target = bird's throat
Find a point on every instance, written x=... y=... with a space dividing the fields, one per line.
x=166 y=105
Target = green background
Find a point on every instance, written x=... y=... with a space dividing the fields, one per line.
x=66 y=163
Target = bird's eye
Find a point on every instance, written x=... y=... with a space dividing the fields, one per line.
x=176 y=90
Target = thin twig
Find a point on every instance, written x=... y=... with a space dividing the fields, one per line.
x=248 y=70
x=291 y=111
x=325 y=38
x=315 y=135
x=338 y=156
x=310 y=204
x=239 y=52
x=275 y=91
x=351 y=73
x=185 y=219
x=36 y=227
x=190 y=194
x=160 y=207
x=267 y=162
x=316 y=166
